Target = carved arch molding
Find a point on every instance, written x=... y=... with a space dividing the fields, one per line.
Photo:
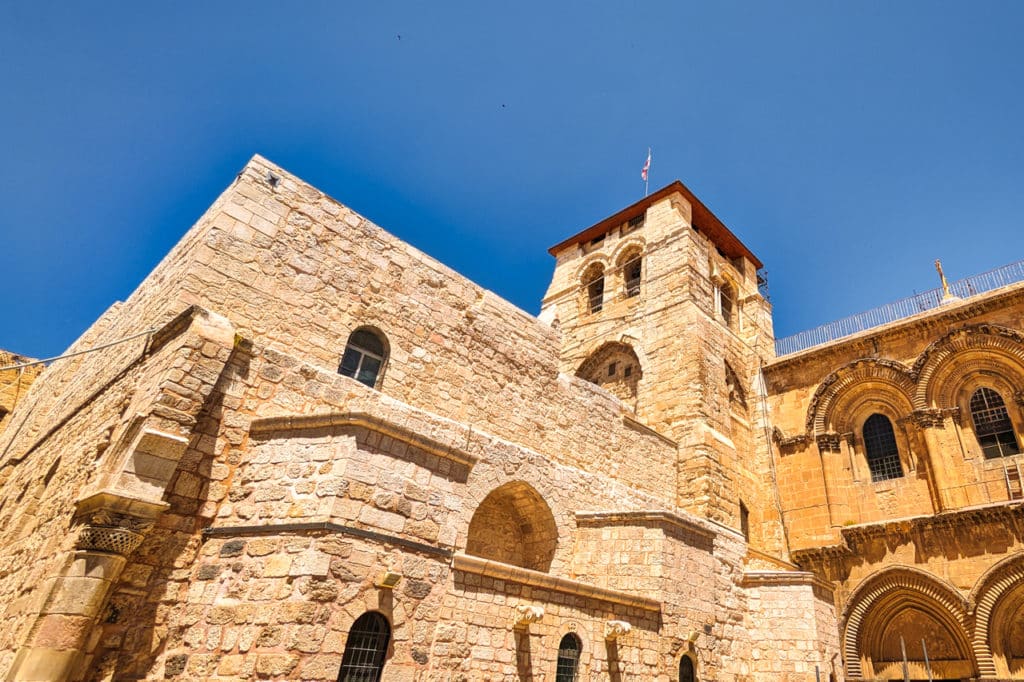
x=979 y=626
x=921 y=383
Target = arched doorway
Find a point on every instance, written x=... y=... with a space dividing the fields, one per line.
x=906 y=610
x=687 y=672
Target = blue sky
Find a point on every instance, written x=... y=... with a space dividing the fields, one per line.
x=847 y=144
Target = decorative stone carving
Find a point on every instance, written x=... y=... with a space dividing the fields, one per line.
x=791 y=443
x=526 y=614
x=614 y=629
x=828 y=442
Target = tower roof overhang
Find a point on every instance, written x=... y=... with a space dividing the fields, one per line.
x=703 y=219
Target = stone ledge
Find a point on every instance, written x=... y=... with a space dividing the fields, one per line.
x=265 y=427
x=525 y=576
x=637 y=425
x=783 y=579
x=659 y=516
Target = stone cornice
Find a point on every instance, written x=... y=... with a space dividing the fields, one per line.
x=446 y=448
x=783 y=578
x=1000 y=513
x=661 y=517
x=525 y=576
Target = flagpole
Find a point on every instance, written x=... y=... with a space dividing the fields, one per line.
x=647 y=171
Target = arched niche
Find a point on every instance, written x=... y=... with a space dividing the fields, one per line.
x=616 y=368
x=514 y=525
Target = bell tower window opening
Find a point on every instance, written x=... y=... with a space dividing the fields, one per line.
x=631 y=272
x=595 y=290
x=364 y=357
x=880 y=446
x=727 y=303
x=992 y=426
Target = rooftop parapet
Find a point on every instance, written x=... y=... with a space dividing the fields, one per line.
x=903 y=308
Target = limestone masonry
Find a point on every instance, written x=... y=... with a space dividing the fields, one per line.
x=319 y=454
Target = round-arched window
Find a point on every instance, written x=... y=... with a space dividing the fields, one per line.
x=363 y=660
x=568 y=658
x=992 y=426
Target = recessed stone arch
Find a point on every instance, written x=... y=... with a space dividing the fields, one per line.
x=995 y=598
x=514 y=525
x=895 y=599
x=942 y=366
x=874 y=376
x=615 y=367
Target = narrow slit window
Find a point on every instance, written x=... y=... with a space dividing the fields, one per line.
x=363 y=660
x=568 y=659
x=364 y=357
x=880 y=445
x=992 y=425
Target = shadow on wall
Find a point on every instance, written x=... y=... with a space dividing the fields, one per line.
x=135 y=627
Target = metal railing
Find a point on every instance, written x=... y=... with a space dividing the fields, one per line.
x=897 y=310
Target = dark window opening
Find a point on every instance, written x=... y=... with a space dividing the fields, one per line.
x=568 y=658
x=611 y=369
x=992 y=426
x=882 y=452
x=632 y=271
x=365 y=649
x=628 y=371
x=745 y=521
x=595 y=294
x=596 y=240
x=364 y=357
x=686 y=672
x=727 y=298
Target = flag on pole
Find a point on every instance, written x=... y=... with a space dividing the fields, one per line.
x=647 y=166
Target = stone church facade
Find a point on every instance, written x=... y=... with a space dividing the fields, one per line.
x=305 y=450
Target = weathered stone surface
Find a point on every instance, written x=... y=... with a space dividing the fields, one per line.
x=608 y=465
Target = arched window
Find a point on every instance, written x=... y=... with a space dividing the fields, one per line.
x=367 y=644
x=594 y=281
x=631 y=271
x=686 y=672
x=992 y=426
x=880 y=445
x=727 y=302
x=568 y=658
x=364 y=356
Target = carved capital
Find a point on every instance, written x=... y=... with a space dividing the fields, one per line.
x=614 y=629
x=828 y=442
x=113 y=539
x=790 y=443
x=1018 y=398
x=526 y=614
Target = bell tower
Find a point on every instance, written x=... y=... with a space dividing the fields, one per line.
x=659 y=305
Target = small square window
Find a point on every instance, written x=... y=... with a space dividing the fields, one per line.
x=611 y=369
x=628 y=371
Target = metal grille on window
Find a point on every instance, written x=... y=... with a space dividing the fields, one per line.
x=568 y=658
x=880 y=444
x=992 y=424
x=632 y=271
x=367 y=644
x=363 y=358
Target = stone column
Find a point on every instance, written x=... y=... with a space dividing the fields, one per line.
x=928 y=422
x=111 y=527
